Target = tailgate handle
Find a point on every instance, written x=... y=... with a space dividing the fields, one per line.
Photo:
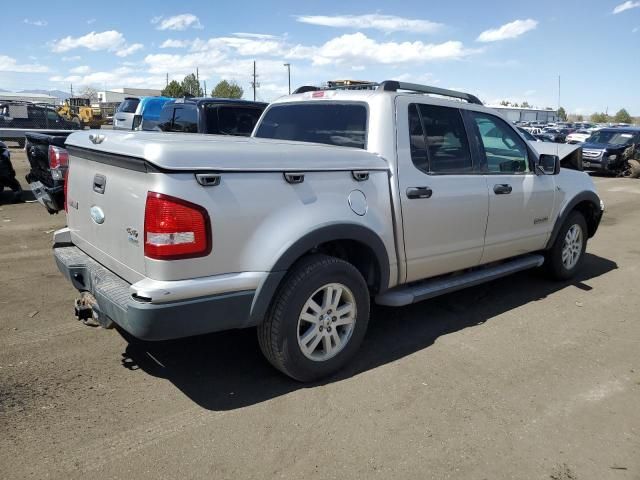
x=99 y=183
x=293 y=178
x=360 y=175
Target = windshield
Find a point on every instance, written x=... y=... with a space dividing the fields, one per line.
x=129 y=105
x=331 y=123
x=611 y=138
x=527 y=135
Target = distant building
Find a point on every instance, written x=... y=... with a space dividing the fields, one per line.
x=119 y=94
x=29 y=97
x=520 y=114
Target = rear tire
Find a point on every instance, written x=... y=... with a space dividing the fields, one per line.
x=634 y=168
x=564 y=258
x=317 y=320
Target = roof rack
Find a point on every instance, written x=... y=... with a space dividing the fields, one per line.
x=394 y=86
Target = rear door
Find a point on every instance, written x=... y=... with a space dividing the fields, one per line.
x=444 y=199
x=520 y=202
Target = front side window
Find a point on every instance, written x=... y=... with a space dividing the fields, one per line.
x=330 y=123
x=504 y=150
x=443 y=147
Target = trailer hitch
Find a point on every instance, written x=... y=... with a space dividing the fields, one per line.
x=88 y=312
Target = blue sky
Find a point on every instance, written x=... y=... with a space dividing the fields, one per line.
x=499 y=50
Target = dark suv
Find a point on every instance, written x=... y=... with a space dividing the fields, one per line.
x=611 y=149
x=221 y=116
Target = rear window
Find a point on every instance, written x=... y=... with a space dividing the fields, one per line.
x=231 y=120
x=330 y=123
x=129 y=105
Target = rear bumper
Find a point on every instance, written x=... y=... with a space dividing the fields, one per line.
x=147 y=320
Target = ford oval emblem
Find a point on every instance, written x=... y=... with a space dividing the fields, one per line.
x=97 y=215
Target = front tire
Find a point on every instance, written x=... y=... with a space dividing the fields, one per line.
x=318 y=319
x=565 y=256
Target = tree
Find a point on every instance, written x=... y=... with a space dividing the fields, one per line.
x=226 y=89
x=623 y=117
x=92 y=94
x=580 y=118
x=562 y=114
x=505 y=103
x=599 y=117
x=525 y=104
x=191 y=85
x=173 y=89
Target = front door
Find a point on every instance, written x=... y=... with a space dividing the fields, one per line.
x=520 y=202
x=444 y=199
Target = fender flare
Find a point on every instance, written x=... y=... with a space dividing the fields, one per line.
x=586 y=195
x=329 y=233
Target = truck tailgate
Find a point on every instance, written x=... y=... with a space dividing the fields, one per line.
x=105 y=213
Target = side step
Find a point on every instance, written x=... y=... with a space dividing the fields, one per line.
x=433 y=287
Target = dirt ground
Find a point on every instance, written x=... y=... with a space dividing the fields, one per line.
x=521 y=378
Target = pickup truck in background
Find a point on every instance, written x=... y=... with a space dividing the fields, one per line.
x=48 y=165
x=340 y=198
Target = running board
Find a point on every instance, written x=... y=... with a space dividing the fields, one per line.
x=417 y=292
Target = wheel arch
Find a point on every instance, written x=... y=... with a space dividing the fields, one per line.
x=587 y=203
x=357 y=244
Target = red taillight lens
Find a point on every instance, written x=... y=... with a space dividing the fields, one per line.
x=175 y=229
x=58 y=157
x=66 y=187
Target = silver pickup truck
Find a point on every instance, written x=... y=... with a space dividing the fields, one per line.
x=340 y=198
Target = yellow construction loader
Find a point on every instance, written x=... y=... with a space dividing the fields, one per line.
x=79 y=111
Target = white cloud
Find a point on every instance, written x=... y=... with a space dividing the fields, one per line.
x=121 y=76
x=9 y=64
x=73 y=58
x=261 y=36
x=91 y=21
x=128 y=50
x=509 y=30
x=628 y=5
x=359 y=48
x=171 y=43
x=37 y=23
x=108 y=40
x=177 y=22
x=82 y=69
x=242 y=46
x=385 y=23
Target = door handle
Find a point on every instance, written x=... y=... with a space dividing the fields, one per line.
x=502 y=189
x=419 y=192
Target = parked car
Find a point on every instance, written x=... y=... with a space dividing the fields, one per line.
x=613 y=150
x=556 y=135
x=579 y=136
x=147 y=114
x=219 y=116
x=340 y=198
x=123 y=116
x=48 y=160
x=25 y=115
x=8 y=174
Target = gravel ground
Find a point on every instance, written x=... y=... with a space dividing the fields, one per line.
x=521 y=378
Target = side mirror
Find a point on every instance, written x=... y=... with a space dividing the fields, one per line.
x=548 y=165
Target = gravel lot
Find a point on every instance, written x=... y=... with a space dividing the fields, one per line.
x=521 y=378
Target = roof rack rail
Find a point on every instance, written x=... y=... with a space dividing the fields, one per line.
x=394 y=86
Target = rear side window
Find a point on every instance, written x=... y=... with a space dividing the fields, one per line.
x=443 y=147
x=330 y=123
x=231 y=120
x=129 y=105
x=166 y=118
x=185 y=119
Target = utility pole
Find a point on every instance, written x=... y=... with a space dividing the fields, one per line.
x=72 y=89
x=205 y=88
x=558 y=111
x=255 y=84
x=288 y=65
x=167 y=84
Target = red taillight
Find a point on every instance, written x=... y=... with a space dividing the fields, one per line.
x=175 y=229
x=58 y=157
